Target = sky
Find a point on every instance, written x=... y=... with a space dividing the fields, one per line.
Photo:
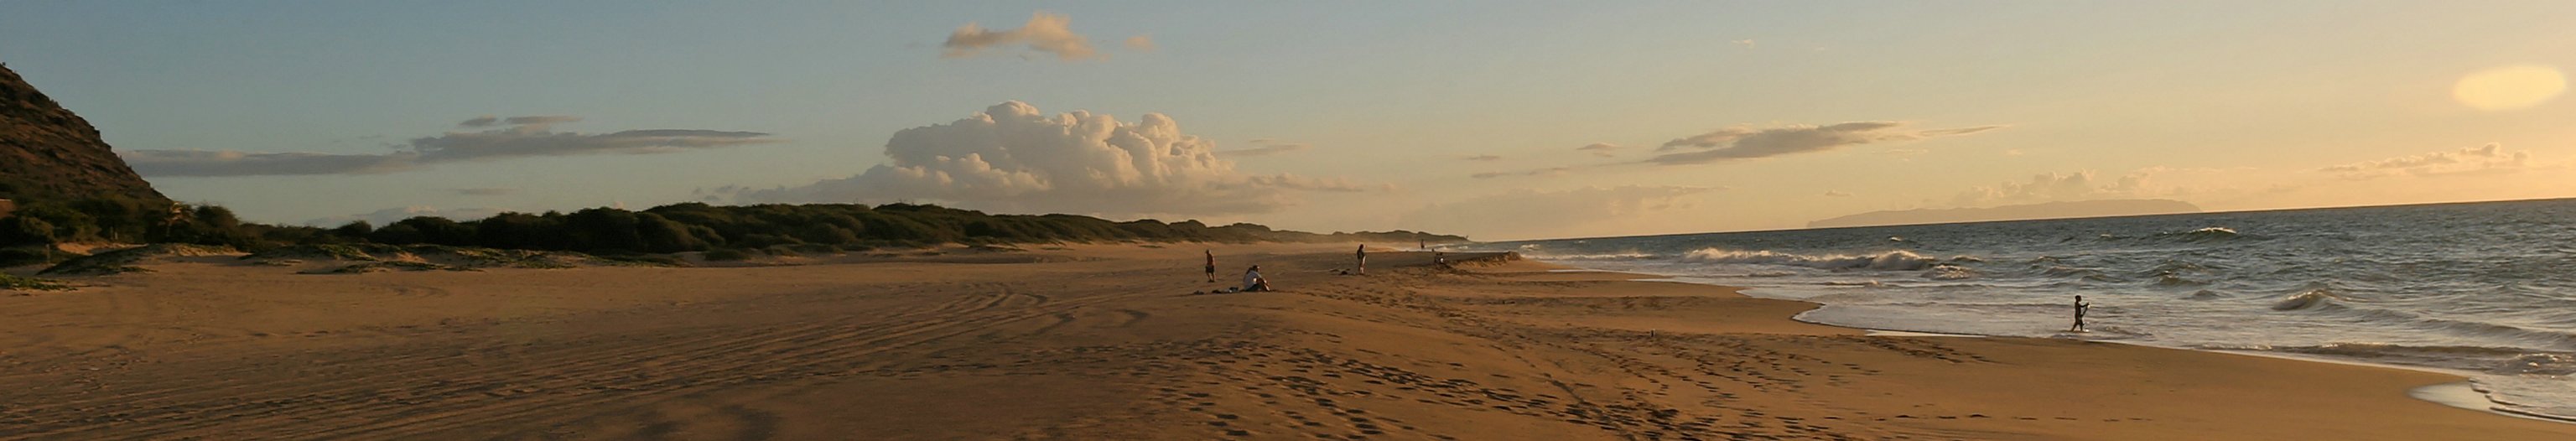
x=1499 y=120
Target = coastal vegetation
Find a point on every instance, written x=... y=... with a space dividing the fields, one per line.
x=674 y=228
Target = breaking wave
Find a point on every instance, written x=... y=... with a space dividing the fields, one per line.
x=2312 y=299
x=1887 y=261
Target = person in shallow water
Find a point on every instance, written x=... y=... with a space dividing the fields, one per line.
x=2080 y=307
x=1252 y=280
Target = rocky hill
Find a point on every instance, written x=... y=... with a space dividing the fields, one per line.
x=47 y=153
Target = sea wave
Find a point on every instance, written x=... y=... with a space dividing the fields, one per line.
x=1632 y=255
x=2308 y=300
x=1887 y=261
x=2205 y=234
x=1944 y=271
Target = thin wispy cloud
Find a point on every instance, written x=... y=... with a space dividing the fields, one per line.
x=1266 y=147
x=1550 y=171
x=1542 y=213
x=1483 y=158
x=1738 y=143
x=514 y=137
x=1601 y=149
x=1045 y=32
x=2490 y=158
x=1141 y=43
x=2055 y=187
x=485 y=191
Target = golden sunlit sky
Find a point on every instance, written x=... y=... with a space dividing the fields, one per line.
x=1500 y=120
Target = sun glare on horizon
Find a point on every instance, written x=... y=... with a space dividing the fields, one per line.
x=2509 y=87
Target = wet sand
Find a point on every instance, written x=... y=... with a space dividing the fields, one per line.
x=1101 y=342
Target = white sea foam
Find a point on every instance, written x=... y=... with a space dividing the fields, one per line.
x=1887 y=261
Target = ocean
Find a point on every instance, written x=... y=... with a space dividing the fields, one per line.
x=2484 y=289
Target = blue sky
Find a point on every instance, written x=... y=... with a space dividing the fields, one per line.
x=2230 y=106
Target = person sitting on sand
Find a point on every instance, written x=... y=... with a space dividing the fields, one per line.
x=1252 y=280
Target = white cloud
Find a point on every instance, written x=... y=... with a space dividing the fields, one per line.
x=2490 y=158
x=522 y=136
x=1012 y=158
x=1525 y=213
x=1747 y=143
x=1045 y=32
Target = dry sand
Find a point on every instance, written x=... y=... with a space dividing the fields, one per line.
x=1101 y=342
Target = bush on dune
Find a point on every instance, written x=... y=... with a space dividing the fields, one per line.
x=677 y=228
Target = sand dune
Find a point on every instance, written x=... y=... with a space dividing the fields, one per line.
x=1100 y=342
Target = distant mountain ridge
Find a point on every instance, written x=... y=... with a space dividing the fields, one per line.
x=48 y=153
x=2049 y=210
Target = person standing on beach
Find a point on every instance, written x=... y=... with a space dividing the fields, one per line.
x=1211 y=266
x=1363 y=253
x=2080 y=307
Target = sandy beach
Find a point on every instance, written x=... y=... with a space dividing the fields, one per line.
x=1101 y=342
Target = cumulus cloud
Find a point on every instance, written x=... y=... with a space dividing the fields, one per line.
x=1045 y=33
x=1601 y=149
x=1748 y=143
x=2052 y=187
x=1012 y=158
x=1526 y=213
x=520 y=136
x=1266 y=146
x=2490 y=158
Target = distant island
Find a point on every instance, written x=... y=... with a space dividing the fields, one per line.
x=2049 y=210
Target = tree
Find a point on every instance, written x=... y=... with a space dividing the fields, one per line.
x=354 y=230
x=661 y=235
x=27 y=230
x=606 y=229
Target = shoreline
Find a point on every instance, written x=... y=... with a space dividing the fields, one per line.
x=2440 y=393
